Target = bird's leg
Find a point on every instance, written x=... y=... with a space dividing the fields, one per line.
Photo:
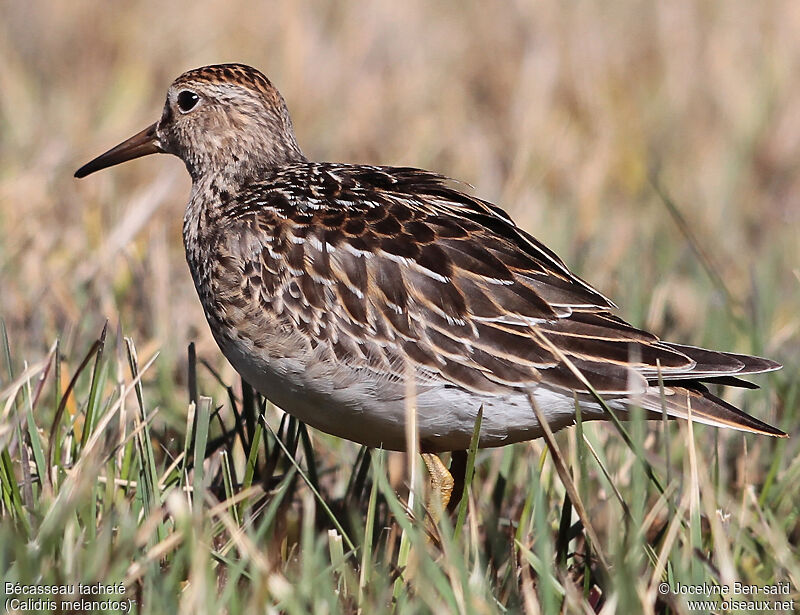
x=441 y=486
x=444 y=482
x=458 y=470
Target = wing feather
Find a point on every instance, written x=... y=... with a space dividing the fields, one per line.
x=397 y=266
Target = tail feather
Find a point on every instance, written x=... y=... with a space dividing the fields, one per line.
x=707 y=409
x=731 y=381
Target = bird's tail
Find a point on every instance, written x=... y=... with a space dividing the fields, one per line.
x=681 y=402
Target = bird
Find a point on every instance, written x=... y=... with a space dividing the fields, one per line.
x=334 y=289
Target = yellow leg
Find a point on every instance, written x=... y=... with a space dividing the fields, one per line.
x=441 y=486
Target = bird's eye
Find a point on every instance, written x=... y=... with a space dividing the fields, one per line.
x=187 y=100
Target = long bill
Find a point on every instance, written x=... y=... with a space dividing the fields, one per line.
x=140 y=144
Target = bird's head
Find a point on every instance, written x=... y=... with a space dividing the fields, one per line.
x=226 y=119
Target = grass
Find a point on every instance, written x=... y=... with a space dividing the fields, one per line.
x=243 y=511
x=653 y=147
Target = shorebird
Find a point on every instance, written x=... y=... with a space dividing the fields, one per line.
x=331 y=287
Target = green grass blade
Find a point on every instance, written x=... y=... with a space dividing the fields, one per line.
x=96 y=387
x=471 y=454
x=200 y=440
x=316 y=493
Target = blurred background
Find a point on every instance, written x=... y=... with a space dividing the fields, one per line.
x=563 y=113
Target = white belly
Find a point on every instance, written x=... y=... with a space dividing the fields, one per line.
x=360 y=406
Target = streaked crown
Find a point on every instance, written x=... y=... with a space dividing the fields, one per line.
x=227 y=119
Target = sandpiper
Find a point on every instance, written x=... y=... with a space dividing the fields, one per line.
x=327 y=286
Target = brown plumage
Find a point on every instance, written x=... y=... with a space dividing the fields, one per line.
x=326 y=285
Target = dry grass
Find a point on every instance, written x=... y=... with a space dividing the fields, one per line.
x=560 y=112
